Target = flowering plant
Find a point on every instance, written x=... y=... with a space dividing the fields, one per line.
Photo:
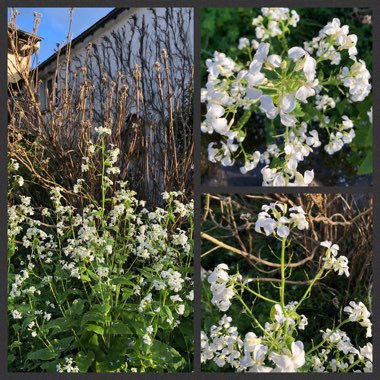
x=104 y=288
x=299 y=91
x=274 y=341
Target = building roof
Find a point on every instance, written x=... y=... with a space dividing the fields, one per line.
x=91 y=30
x=25 y=35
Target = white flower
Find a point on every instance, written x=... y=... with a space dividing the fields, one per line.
x=356 y=78
x=16 y=314
x=102 y=271
x=288 y=104
x=269 y=225
x=367 y=351
x=147 y=339
x=251 y=341
x=243 y=43
x=290 y=361
x=323 y=102
x=214 y=120
x=303 y=322
x=308 y=63
x=85 y=164
x=220 y=64
x=103 y=131
x=279 y=315
x=221 y=294
x=303 y=180
x=334 y=29
x=331 y=248
x=273 y=60
x=267 y=106
x=180 y=309
x=313 y=139
x=272 y=178
x=340 y=265
x=298 y=218
x=251 y=162
x=306 y=90
x=358 y=312
x=222 y=154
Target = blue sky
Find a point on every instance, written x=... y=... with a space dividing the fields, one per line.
x=54 y=24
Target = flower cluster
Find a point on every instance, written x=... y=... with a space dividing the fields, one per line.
x=274 y=22
x=333 y=261
x=251 y=354
x=281 y=87
x=221 y=286
x=68 y=366
x=273 y=220
x=340 y=354
x=358 y=312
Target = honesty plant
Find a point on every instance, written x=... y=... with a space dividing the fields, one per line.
x=105 y=288
x=277 y=344
x=294 y=88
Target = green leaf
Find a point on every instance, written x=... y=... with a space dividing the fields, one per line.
x=148 y=273
x=77 y=307
x=57 y=325
x=120 y=280
x=366 y=166
x=63 y=344
x=98 y=313
x=44 y=354
x=104 y=309
x=244 y=118
x=364 y=134
x=93 y=341
x=168 y=312
x=94 y=328
x=84 y=361
x=85 y=278
x=119 y=328
x=50 y=366
x=166 y=356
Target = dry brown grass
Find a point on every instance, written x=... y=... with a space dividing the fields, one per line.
x=156 y=147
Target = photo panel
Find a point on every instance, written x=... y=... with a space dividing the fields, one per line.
x=286 y=96
x=287 y=282
x=100 y=195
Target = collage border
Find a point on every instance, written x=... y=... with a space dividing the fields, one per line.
x=199 y=189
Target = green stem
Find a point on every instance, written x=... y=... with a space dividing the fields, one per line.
x=308 y=290
x=258 y=294
x=282 y=288
x=353 y=365
x=251 y=314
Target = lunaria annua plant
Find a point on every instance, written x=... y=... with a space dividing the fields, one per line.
x=106 y=288
x=277 y=345
x=293 y=88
